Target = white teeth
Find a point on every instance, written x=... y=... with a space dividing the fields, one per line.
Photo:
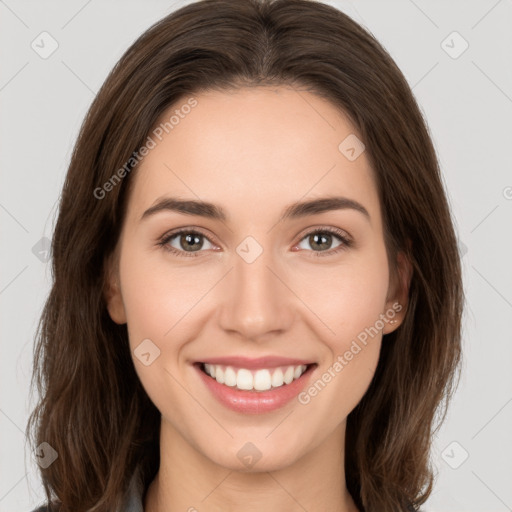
x=230 y=377
x=288 y=374
x=244 y=379
x=296 y=373
x=219 y=375
x=258 y=380
x=210 y=369
x=262 y=380
x=277 y=378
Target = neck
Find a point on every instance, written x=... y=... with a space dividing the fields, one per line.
x=188 y=481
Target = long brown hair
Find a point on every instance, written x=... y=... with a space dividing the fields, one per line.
x=93 y=410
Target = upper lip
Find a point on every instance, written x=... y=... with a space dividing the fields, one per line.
x=259 y=362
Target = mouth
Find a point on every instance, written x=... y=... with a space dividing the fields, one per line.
x=257 y=380
x=256 y=389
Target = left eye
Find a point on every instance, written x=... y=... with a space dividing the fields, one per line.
x=322 y=240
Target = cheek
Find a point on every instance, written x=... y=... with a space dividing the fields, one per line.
x=349 y=302
x=158 y=305
x=349 y=297
x=157 y=300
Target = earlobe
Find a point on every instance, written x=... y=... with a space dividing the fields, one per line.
x=113 y=296
x=396 y=305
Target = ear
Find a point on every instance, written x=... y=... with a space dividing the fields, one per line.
x=398 y=293
x=112 y=290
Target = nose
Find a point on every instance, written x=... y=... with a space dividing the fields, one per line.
x=256 y=302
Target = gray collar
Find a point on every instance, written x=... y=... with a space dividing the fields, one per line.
x=133 y=499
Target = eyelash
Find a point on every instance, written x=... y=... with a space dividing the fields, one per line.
x=346 y=242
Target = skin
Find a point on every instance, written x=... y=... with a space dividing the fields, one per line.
x=253 y=151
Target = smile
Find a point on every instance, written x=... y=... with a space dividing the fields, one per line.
x=257 y=389
x=257 y=380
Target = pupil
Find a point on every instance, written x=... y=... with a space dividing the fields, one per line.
x=325 y=244
x=190 y=239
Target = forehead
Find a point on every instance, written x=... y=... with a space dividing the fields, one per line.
x=254 y=148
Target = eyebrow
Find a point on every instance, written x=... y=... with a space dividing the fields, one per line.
x=293 y=211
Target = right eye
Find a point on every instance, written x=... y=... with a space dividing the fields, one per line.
x=184 y=242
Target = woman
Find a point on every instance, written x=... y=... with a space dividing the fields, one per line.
x=257 y=292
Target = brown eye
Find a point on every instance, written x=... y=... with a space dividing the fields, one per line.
x=190 y=241
x=321 y=241
x=185 y=242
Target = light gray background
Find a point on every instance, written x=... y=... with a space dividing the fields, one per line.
x=467 y=102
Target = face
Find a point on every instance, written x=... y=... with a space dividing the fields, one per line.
x=250 y=284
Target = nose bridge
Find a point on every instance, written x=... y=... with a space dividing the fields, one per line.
x=254 y=301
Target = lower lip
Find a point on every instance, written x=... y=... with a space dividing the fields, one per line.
x=255 y=402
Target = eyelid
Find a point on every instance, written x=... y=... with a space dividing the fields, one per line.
x=340 y=233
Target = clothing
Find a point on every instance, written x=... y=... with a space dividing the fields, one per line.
x=134 y=496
